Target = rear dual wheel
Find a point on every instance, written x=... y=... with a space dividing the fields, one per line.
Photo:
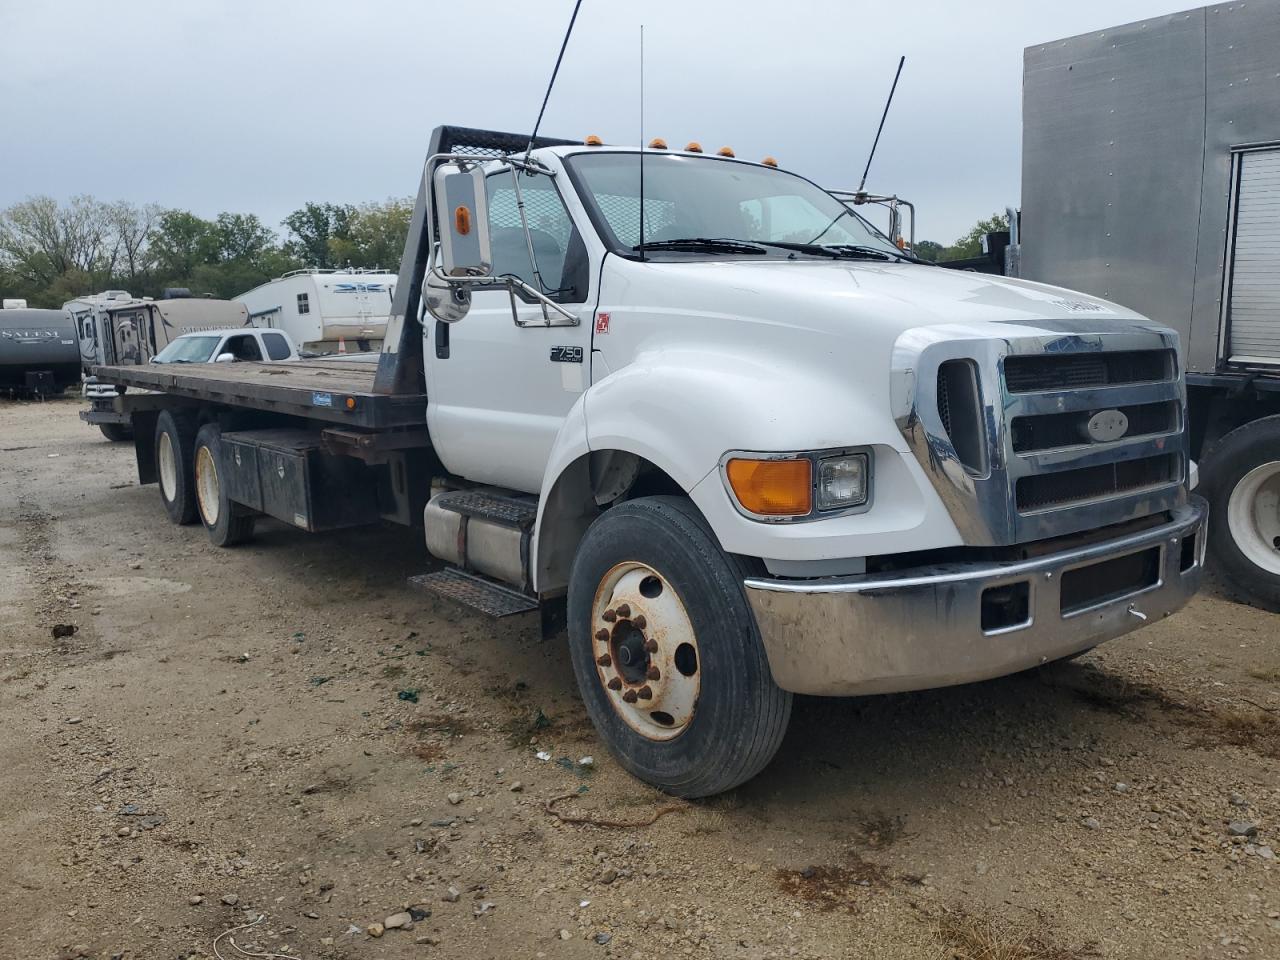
x=667 y=653
x=226 y=522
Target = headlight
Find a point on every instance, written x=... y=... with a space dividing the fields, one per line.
x=842 y=482
x=797 y=486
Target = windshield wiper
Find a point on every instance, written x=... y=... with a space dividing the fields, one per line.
x=858 y=248
x=702 y=245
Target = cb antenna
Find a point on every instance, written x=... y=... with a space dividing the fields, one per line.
x=641 y=246
x=876 y=141
x=564 y=43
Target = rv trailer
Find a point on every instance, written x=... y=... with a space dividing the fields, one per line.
x=323 y=310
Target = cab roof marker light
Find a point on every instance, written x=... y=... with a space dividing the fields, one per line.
x=693 y=146
x=769 y=162
x=657 y=143
x=725 y=152
x=593 y=141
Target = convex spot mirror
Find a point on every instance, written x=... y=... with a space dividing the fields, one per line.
x=463 y=212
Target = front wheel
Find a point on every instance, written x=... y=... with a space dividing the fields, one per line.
x=1242 y=483
x=667 y=653
x=226 y=522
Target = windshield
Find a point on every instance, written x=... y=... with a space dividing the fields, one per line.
x=702 y=197
x=188 y=350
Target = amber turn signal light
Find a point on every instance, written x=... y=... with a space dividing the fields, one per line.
x=772 y=488
x=462 y=221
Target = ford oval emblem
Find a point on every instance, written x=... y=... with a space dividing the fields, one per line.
x=1107 y=425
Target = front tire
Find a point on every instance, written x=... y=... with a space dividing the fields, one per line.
x=226 y=522
x=667 y=653
x=1242 y=484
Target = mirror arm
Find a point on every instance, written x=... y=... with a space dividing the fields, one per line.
x=528 y=241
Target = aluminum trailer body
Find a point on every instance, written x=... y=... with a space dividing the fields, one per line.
x=1151 y=177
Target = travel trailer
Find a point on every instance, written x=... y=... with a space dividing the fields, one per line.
x=325 y=310
x=115 y=328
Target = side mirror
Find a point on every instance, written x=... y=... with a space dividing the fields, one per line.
x=225 y=358
x=463 y=217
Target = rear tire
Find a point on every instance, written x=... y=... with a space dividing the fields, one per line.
x=116 y=432
x=175 y=447
x=1241 y=474
x=667 y=653
x=226 y=522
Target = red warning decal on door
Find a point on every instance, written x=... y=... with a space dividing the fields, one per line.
x=602 y=323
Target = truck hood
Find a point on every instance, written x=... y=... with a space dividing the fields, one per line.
x=882 y=299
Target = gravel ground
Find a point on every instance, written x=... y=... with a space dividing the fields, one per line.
x=285 y=731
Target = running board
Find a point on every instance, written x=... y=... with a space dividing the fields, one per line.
x=478 y=593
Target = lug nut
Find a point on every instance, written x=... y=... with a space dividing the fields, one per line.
x=614 y=684
x=608 y=616
x=640 y=622
x=602 y=635
x=624 y=610
x=604 y=660
x=645 y=693
x=629 y=696
x=653 y=674
x=651 y=646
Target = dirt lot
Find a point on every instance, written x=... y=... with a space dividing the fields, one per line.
x=285 y=730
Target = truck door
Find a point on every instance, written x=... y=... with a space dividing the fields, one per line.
x=497 y=393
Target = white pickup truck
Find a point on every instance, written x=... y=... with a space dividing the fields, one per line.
x=749 y=448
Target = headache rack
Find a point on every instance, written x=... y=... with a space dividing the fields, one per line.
x=400 y=368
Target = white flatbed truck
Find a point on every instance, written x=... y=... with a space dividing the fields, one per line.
x=748 y=447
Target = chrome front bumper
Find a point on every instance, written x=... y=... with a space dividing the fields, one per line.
x=923 y=628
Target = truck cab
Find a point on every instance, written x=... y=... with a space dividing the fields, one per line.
x=916 y=476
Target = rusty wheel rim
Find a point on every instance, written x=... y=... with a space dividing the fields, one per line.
x=645 y=651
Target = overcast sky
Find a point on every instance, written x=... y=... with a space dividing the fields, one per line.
x=260 y=105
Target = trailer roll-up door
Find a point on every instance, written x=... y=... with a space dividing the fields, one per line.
x=1253 y=304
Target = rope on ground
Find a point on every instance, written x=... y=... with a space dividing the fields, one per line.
x=594 y=821
x=240 y=950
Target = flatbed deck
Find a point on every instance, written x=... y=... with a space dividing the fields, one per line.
x=331 y=390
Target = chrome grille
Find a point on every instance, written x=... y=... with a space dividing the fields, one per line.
x=1052 y=431
x=1047 y=473
x=1027 y=374
x=1047 y=490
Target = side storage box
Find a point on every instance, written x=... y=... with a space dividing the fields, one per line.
x=285 y=474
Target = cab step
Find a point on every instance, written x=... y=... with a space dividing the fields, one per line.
x=479 y=593
x=508 y=511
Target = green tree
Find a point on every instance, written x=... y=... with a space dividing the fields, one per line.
x=181 y=243
x=375 y=237
x=970 y=245
x=242 y=237
x=928 y=250
x=311 y=229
